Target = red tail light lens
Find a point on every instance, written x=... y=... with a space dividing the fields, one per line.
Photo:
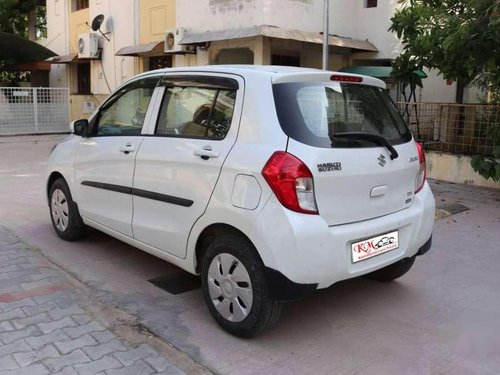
x=422 y=169
x=292 y=182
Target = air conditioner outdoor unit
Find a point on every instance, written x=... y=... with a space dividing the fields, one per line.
x=172 y=39
x=88 y=46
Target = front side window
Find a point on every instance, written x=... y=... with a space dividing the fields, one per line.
x=322 y=115
x=196 y=112
x=124 y=113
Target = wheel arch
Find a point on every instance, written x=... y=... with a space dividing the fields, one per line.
x=52 y=178
x=210 y=233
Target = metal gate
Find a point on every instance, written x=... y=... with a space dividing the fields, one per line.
x=33 y=110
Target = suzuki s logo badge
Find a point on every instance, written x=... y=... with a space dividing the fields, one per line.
x=329 y=167
x=381 y=160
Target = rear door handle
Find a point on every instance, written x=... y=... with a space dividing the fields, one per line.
x=127 y=149
x=206 y=153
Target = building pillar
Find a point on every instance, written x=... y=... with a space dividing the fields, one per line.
x=262 y=51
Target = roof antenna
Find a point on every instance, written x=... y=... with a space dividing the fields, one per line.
x=96 y=25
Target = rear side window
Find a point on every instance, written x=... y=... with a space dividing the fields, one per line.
x=313 y=113
x=197 y=108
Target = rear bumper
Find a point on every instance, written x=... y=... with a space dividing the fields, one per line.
x=307 y=251
x=425 y=248
x=283 y=289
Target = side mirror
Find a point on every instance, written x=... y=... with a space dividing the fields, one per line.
x=80 y=127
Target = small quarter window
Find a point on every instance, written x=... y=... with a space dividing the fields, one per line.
x=370 y=3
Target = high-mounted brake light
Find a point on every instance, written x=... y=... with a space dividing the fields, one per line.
x=422 y=169
x=292 y=182
x=342 y=78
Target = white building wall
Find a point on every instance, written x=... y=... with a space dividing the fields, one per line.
x=57 y=40
x=436 y=89
x=304 y=15
x=213 y=15
x=373 y=24
x=119 y=20
x=342 y=17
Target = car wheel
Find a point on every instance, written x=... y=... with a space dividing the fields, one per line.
x=235 y=287
x=392 y=271
x=64 y=213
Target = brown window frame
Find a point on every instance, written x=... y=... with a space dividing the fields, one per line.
x=81 y=4
x=371 y=3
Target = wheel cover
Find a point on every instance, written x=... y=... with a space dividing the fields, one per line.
x=230 y=287
x=59 y=210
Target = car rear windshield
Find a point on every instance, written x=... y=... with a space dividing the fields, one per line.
x=314 y=113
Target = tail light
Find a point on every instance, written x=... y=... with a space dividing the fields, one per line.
x=292 y=182
x=422 y=169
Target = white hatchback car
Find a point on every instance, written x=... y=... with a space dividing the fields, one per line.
x=268 y=181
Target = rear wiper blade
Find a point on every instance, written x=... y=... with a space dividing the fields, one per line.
x=378 y=139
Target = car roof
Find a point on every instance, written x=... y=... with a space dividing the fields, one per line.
x=278 y=74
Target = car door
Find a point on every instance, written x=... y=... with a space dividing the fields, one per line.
x=105 y=160
x=178 y=166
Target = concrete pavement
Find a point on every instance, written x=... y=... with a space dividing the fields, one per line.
x=440 y=318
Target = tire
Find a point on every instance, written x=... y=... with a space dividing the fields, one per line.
x=235 y=287
x=393 y=271
x=64 y=213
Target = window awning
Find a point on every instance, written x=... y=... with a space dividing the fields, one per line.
x=64 y=59
x=376 y=71
x=14 y=49
x=147 y=49
x=279 y=33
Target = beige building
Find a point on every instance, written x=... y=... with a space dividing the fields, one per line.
x=92 y=63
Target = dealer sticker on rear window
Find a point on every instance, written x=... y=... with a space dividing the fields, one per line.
x=374 y=246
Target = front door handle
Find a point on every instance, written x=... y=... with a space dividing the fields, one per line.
x=206 y=153
x=127 y=149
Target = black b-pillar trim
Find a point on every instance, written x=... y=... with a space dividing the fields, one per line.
x=140 y=193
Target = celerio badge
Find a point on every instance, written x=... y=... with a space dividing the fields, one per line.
x=329 y=167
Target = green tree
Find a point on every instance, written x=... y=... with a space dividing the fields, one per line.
x=17 y=15
x=25 y=18
x=461 y=39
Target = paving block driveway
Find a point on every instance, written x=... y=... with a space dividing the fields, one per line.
x=49 y=323
x=440 y=318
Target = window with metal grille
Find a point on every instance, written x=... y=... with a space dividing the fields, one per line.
x=370 y=3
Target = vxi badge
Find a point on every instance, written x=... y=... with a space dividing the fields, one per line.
x=328 y=167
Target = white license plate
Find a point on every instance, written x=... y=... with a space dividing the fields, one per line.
x=374 y=246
